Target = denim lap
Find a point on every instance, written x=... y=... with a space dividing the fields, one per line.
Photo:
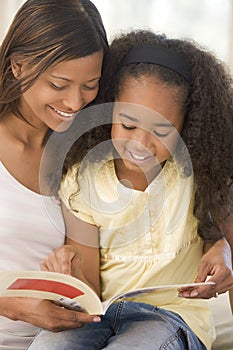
x=92 y=336
x=126 y=325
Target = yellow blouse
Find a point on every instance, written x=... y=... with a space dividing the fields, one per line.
x=146 y=238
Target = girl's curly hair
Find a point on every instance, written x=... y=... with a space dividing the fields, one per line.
x=207 y=103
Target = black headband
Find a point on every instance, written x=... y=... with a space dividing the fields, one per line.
x=162 y=56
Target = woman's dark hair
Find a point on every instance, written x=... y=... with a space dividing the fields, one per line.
x=207 y=104
x=44 y=33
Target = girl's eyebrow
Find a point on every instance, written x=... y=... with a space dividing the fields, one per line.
x=128 y=117
x=170 y=125
x=133 y=119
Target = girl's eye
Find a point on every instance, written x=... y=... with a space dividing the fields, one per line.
x=161 y=134
x=128 y=127
x=57 y=87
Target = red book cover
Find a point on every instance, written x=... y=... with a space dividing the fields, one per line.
x=45 y=286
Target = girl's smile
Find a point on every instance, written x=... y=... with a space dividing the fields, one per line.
x=145 y=135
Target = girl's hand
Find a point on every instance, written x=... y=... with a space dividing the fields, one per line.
x=66 y=259
x=216 y=264
x=43 y=313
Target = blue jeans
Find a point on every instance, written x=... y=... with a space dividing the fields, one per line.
x=126 y=325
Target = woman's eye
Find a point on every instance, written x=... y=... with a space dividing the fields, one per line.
x=128 y=127
x=86 y=87
x=57 y=87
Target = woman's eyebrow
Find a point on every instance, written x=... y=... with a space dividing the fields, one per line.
x=69 y=80
x=58 y=77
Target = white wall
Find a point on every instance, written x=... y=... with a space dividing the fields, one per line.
x=210 y=22
x=206 y=21
x=8 y=9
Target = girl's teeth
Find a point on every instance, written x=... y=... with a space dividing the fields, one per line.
x=137 y=157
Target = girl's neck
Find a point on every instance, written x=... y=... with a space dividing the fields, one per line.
x=136 y=180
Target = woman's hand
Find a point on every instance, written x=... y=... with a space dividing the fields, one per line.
x=43 y=313
x=216 y=266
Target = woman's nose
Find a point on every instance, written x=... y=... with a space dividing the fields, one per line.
x=73 y=100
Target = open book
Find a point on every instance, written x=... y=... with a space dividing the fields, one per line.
x=67 y=290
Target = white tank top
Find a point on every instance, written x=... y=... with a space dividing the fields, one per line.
x=31 y=226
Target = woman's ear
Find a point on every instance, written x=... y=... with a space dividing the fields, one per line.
x=16 y=67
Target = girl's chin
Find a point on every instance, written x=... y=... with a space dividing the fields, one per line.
x=142 y=168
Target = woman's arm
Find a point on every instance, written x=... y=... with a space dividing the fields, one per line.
x=43 y=313
x=80 y=259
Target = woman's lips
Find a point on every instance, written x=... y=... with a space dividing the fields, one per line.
x=63 y=115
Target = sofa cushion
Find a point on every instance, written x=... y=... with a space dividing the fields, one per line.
x=223 y=320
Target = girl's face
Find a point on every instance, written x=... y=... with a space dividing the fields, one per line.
x=61 y=91
x=147 y=120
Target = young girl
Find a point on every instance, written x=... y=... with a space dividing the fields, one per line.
x=150 y=195
x=50 y=66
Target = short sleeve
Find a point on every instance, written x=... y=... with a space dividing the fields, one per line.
x=73 y=198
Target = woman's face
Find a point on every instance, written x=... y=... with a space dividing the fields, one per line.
x=61 y=91
x=147 y=120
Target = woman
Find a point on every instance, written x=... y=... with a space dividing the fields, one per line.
x=50 y=66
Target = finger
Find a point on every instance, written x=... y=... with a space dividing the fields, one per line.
x=65 y=267
x=204 y=292
x=61 y=260
x=223 y=286
x=47 y=265
x=203 y=271
x=188 y=292
x=75 y=264
x=66 y=319
x=66 y=262
x=43 y=266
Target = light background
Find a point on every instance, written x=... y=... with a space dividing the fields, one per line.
x=210 y=22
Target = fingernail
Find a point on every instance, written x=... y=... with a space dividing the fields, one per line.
x=96 y=319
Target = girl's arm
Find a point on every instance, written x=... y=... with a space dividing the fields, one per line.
x=216 y=264
x=79 y=256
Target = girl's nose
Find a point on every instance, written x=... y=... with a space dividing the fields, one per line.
x=143 y=137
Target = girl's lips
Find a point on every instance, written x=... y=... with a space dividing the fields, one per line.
x=138 y=158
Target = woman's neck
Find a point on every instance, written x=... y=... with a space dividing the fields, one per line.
x=23 y=132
